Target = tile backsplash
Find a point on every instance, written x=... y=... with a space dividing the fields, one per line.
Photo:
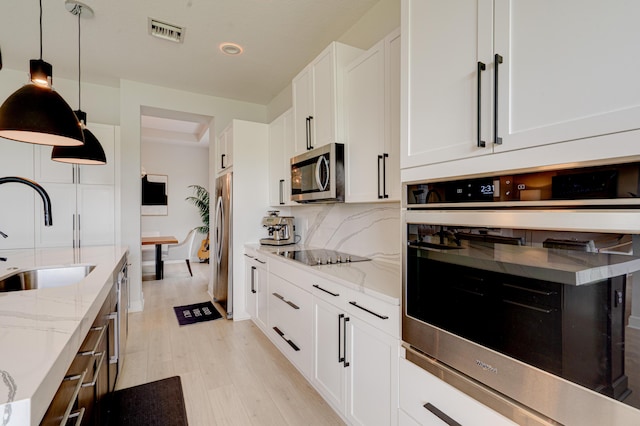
x=371 y=230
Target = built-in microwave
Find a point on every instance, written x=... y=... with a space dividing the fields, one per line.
x=318 y=175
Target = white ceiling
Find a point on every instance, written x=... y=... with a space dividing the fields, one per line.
x=278 y=36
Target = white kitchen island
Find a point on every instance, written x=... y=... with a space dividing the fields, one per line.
x=41 y=330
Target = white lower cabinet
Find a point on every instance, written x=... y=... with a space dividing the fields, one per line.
x=355 y=363
x=372 y=358
x=422 y=395
x=345 y=342
x=257 y=288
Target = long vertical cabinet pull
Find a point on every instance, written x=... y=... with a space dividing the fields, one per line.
x=340 y=356
x=79 y=229
x=497 y=60
x=344 y=342
x=379 y=161
x=253 y=279
x=73 y=231
x=222 y=161
x=384 y=175
x=481 y=67
x=281 y=189
x=309 y=132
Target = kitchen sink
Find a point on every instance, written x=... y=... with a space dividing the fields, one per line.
x=44 y=277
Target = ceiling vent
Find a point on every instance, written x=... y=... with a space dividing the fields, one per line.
x=166 y=31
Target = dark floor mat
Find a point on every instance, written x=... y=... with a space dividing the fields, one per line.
x=199 y=312
x=159 y=403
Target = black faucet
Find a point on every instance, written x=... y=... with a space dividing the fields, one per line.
x=46 y=201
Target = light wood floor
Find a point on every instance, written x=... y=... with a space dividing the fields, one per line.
x=231 y=373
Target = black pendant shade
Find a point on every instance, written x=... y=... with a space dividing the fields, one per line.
x=89 y=153
x=36 y=114
x=39 y=115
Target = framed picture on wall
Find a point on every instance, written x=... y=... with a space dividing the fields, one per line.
x=155 y=195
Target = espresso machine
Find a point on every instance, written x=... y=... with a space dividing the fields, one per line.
x=280 y=229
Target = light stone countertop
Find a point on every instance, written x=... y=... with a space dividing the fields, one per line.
x=41 y=330
x=377 y=278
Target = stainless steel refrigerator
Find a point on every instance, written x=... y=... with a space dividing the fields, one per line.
x=223 y=275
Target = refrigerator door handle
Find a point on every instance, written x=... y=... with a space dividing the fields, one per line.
x=219 y=229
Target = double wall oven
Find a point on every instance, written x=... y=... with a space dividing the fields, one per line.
x=519 y=290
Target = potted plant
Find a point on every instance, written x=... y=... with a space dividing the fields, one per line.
x=200 y=199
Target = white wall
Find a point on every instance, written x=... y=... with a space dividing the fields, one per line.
x=133 y=97
x=184 y=166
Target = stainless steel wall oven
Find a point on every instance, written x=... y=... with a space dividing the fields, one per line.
x=531 y=299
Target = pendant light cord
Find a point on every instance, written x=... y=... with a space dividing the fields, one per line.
x=79 y=86
x=40 y=29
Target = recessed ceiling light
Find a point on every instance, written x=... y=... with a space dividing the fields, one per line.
x=231 y=49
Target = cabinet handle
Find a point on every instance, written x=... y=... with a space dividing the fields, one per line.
x=384 y=175
x=439 y=414
x=379 y=192
x=481 y=67
x=326 y=291
x=74 y=397
x=384 y=317
x=113 y=316
x=102 y=329
x=260 y=261
x=79 y=176
x=222 y=161
x=79 y=228
x=289 y=341
x=78 y=415
x=344 y=341
x=497 y=60
x=253 y=279
x=310 y=132
x=73 y=231
x=249 y=256
x=340 y=356
x=281 y=189
x=93 y=381
x=288 y=302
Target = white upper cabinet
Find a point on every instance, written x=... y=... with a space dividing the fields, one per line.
x=372 y=123
x=281 y=149
x=224 y=150
x=569 y=71
x=318 y=99
x=487 y=76
x=446 y=111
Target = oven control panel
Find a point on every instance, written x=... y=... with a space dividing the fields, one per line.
x=590 y=183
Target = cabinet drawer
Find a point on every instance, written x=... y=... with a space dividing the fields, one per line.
x=291 y=322
x=418 y=389
x=290 y=307
x=383 y=316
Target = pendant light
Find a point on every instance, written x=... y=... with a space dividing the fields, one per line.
x=37 y=114
x=91 y=152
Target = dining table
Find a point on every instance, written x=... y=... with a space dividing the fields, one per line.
x=158 y=241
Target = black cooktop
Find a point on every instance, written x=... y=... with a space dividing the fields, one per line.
x=321 y=257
